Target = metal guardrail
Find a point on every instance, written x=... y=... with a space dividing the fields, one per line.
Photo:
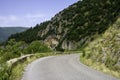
x=15 y=60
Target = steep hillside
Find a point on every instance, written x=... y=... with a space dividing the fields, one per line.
x=5 y=32
x=30 y=34
x=76 y=25
x=106 y=49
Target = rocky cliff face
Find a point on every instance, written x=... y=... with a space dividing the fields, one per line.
x=79 y=23
x=76 y=25
x=59 y=32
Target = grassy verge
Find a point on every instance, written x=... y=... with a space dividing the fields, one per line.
x=18 y=70
x=101 y=67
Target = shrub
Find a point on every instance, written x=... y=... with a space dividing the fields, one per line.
x=35 y=47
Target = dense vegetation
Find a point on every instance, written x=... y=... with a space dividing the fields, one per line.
x=5 y=32
x=15 y=49
x=80 y=22
x=92 y=25
x=30 y=34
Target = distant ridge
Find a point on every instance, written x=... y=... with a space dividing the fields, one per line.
x=5 y=32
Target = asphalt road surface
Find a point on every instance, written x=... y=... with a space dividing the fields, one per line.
x=67 y=67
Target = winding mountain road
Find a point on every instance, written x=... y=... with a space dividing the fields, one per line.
x=67 y=67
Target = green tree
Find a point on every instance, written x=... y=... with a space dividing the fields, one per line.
x=36 y=46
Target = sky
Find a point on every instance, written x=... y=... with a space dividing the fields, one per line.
x=28 y=13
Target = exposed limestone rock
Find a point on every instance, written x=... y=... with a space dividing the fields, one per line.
x=69 y=45
x=51 y=41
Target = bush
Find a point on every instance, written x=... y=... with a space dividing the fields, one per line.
x=4 y=72
x=36 y=47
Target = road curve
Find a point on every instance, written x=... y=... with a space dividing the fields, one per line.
x=65 y=67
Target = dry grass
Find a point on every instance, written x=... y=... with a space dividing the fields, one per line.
x=100 y=67
x=18 y=70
